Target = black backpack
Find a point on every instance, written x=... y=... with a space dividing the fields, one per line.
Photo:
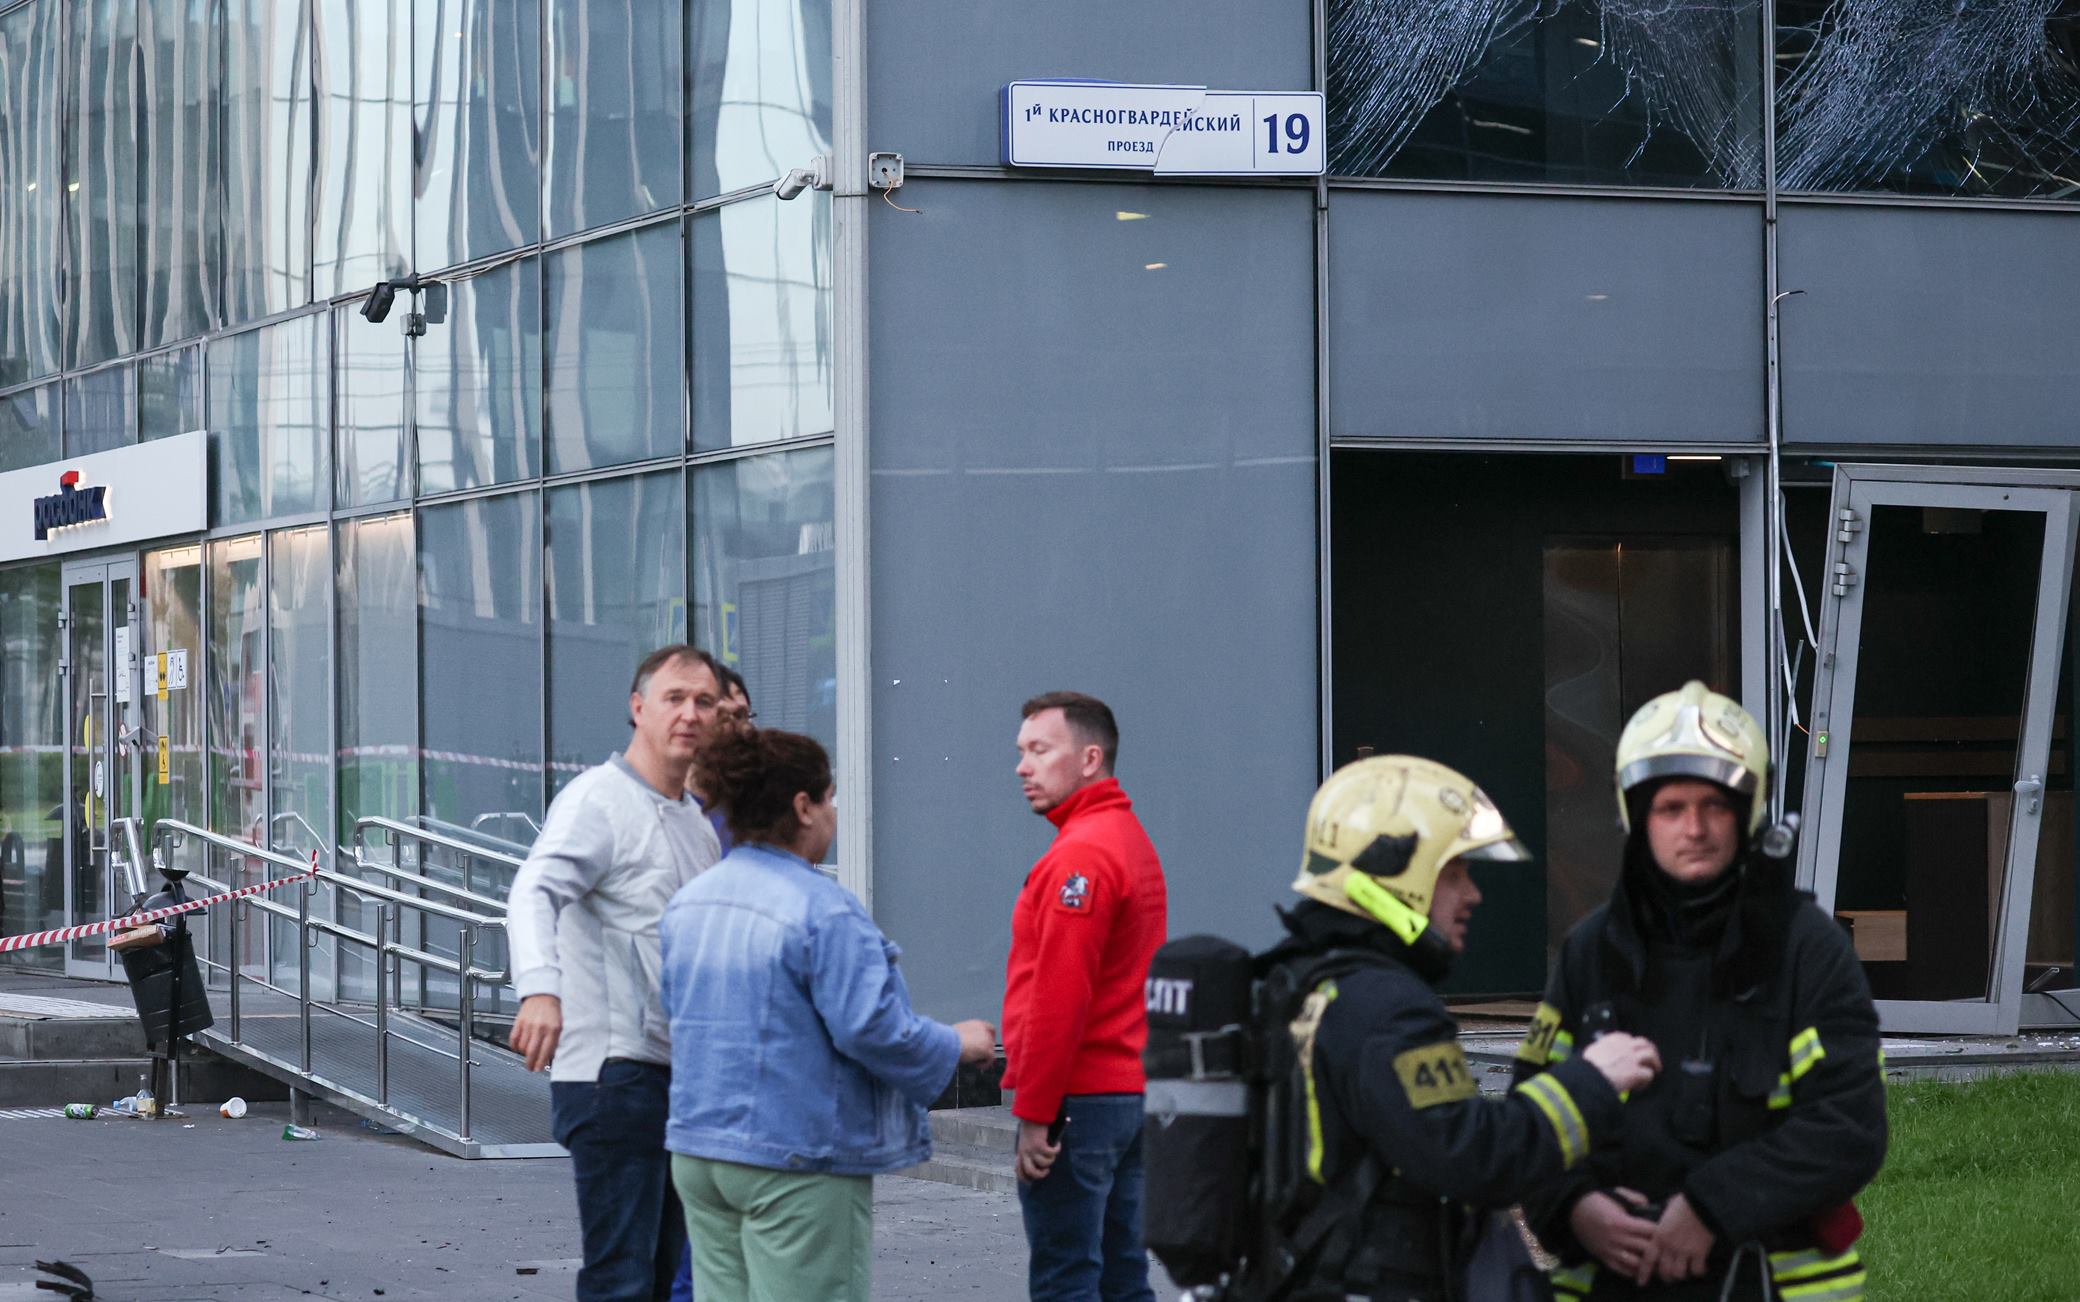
x=1228 y=1207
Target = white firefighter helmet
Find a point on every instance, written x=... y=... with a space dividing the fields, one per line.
x=1694 y=732
x=1381 y=830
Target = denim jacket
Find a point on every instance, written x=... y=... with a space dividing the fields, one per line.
x=794 y=1046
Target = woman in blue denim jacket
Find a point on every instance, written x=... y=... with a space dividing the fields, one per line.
x=799 y=1070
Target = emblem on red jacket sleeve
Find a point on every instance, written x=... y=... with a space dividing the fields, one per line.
x=1076 y=893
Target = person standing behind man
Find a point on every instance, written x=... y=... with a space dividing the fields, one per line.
x=582 y=919
x=1091 y=916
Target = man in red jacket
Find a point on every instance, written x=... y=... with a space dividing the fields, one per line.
x=1075 y=1018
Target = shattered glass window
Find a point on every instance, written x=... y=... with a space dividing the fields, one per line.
x=1567 y=92
x=1977 y=97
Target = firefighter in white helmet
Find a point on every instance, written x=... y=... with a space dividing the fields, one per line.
x=1732 y=1173
x=1396 y=1148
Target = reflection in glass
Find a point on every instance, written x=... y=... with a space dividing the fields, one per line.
x=30 y=122
x=1612 y=92
x=477 y=92
x=368 y=407
x=378 y=582
x=480 y=656
x=378 y=586
x=180 y=255
x=267 y=156
x=32 y=776
x=615 y=349
x=614 y=111
x=761 y=321
x=172 y=592
x=477 y=383
x=1949 y=608
x=101 y=183
x=237 y=688
x=1979 y=98
x=760 y=91
x=764 y=584
x=269 y=436
x=29 y=428
x=169 y=394
x=362 y=56
x=617 y=591
x=87 y=613
x=100 y=411
x=299 y=677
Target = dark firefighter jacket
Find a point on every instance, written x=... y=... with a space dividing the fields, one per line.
x=1382 y=1072
x=1769 y=1111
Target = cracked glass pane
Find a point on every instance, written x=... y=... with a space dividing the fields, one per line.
x=1930 y=96
x=1569 y=92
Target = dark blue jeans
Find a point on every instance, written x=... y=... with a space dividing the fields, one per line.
x=634 y=1232
x=1083 y=1222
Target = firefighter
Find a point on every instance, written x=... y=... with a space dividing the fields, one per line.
x=1731 y=1174
x=1394 y=1145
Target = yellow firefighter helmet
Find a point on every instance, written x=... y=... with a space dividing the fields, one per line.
x=1381 y=830
x=1694 y=732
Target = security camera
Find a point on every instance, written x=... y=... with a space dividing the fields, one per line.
x=379 y=300
x=816 y=176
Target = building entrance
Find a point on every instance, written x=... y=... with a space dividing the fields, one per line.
x=101 y=690
x=1505 y=614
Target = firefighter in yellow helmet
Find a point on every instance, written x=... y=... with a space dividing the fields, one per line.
x=1379 y=1146
x=1731 y=1175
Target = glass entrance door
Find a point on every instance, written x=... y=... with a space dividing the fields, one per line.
x=100 y=673
x=1930 y=749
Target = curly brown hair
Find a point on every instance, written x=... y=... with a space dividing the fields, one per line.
x=752 y=775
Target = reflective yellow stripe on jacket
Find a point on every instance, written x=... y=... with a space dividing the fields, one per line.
x=1550 y=1097
x=1810 y=1276
x=1799 y=1277
x=1303 y=1028
x=1805 y=1053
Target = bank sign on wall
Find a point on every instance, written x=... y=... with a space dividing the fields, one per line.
x=106 y=499
x=1168 y=130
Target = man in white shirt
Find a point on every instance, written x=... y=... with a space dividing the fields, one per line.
x=619 y=841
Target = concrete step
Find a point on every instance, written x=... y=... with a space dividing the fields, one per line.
x=992 y=1128
x=969 y=1166
x=71 y=1037
x=205 y=1080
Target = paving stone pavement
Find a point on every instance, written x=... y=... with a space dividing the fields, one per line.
x=228 y=1211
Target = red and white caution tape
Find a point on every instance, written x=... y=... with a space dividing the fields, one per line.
x=32 y=940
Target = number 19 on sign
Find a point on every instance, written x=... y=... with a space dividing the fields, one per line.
x=1294 y=128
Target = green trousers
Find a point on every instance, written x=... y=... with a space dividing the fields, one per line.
x=761 y=1235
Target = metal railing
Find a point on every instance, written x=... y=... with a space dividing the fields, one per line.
x=386 y=944
x=468 y=855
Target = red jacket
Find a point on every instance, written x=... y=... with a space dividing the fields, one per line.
x=1090 y=918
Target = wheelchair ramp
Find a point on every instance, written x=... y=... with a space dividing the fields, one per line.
x=422 y=1096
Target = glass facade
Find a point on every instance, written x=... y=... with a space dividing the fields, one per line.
x=1608 y=93
x=616 y=350
x=1979 y=99
x=30 y=202
x=434 y=559
x=32 y=738
x=1872 y=96
x=480 y=658
x=617 y=589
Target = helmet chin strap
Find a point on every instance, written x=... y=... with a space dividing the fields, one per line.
x=1386 y=906
x=1431 y=952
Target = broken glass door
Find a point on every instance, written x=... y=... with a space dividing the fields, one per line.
x=1929 y=750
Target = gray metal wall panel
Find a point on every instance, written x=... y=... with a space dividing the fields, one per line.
x=1088 y=474
x=1929 y=326
x=1514 y=317
x=935 y=69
